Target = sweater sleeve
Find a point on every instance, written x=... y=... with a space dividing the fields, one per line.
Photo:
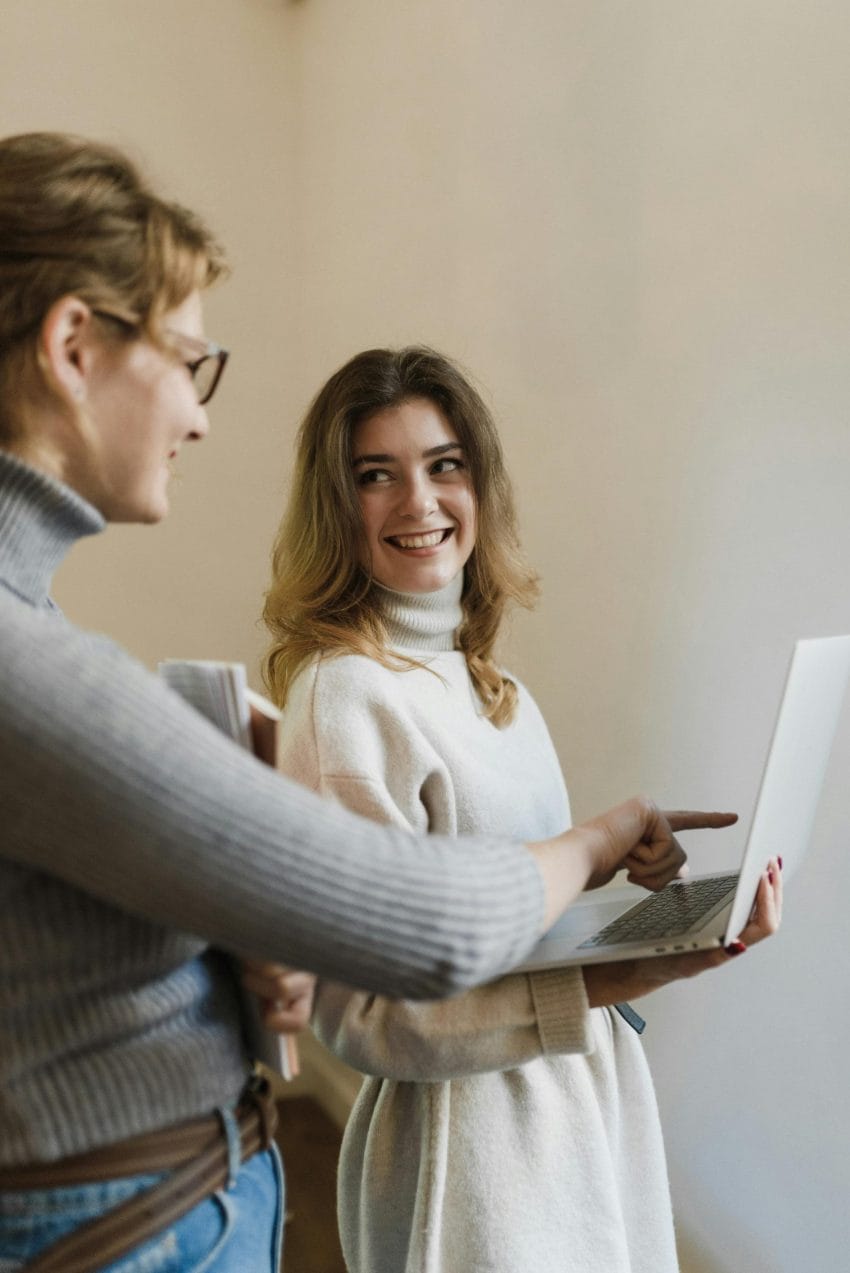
x=109 y=782
x=495 y=1027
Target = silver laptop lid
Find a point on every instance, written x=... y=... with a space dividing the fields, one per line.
x=796 y=765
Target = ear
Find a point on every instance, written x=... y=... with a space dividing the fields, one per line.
x=65 y=351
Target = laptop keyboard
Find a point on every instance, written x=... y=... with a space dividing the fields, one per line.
x=666 y=914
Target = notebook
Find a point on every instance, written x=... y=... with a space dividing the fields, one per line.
x=708 y=910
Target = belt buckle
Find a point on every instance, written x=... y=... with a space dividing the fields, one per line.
x=258 y=1093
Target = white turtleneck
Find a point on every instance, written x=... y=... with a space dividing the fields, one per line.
x=423 y=622
x=511 y=1129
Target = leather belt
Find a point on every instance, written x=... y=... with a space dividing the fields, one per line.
x=196 y=1154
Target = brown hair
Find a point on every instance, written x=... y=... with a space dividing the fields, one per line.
x=321 y=597
x=77 y=218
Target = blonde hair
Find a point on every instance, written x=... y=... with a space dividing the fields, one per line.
x=321 y=597
x=77 y=218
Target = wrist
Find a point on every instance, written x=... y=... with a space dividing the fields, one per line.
x=566 y=864
x=607 y=984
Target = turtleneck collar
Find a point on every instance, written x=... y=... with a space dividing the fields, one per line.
x=40 y=521
x=422 y=621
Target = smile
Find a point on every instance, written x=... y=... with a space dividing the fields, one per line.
x=430 y=539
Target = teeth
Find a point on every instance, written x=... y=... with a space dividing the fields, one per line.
x=419 y=541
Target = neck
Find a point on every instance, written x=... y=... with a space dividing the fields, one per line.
x=422 y=621
x=40 y=520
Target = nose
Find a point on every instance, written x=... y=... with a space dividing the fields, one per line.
x=418 y=499
x=200 y=425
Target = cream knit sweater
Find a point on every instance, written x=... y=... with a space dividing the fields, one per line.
x=511 y=1129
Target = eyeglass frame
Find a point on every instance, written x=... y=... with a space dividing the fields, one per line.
x=211 y=350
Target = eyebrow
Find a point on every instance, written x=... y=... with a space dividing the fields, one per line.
x=388 y=459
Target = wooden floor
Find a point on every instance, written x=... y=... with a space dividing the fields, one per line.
x=309 y=1142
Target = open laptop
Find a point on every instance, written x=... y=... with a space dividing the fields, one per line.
x=708 y=910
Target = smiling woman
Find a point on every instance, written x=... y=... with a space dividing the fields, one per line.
x=513 y=1127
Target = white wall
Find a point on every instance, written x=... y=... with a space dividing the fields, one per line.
x=201 y=92
x=631 y=222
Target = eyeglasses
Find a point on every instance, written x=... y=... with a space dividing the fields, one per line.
x=205 y=369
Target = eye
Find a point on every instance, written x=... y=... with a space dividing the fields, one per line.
x=448 y=464
x=371 y=477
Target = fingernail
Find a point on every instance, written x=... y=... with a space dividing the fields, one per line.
x=770 y=874
x=735 y=948
x=779 y=860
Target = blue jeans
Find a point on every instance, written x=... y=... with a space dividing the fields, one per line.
x=234 y=1231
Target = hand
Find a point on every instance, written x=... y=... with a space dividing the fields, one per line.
x=632 y=978
x=286 y=995
x=263 y=736
x=638 y=836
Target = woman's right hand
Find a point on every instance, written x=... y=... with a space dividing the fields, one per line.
x=641 y=837
x=285 y=994
x=615 y=982
x=635 y=835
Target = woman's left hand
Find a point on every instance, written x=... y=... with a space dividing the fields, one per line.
x=766 y=915
x=285 y=994
x=631 y=978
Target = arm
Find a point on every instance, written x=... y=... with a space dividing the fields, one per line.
x=113 y=785
x=109 y=782
x=376 y=742
x=497 y=1026
x=519 y=1017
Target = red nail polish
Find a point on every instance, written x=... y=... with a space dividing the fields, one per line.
x=770 y=875
x=779 y=860
x=735 y=948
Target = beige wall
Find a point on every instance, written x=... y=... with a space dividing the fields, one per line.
x=631 y=222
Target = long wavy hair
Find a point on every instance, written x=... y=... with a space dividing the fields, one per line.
x=322 y=598
x=78 y=218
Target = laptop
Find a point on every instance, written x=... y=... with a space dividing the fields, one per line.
x=711 y=910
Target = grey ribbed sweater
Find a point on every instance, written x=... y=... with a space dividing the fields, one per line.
x=134 y=839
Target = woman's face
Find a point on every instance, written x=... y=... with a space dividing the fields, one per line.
x=141 y=406
x=416 y=495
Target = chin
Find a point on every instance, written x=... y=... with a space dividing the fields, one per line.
x=426 y=583
x=152 y=516
x=141 y=513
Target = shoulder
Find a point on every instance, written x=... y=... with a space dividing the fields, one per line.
x=341 y=685
x=42 y=644
x=354 y=713
x=61 y=685
x=527 y=708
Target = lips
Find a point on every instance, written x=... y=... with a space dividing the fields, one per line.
x=428 y=539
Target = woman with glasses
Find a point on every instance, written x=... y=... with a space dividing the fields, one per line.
x=512 y=1128
x=136 y=842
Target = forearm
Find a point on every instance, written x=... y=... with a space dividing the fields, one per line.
x=496 y=1027
x=566 y=864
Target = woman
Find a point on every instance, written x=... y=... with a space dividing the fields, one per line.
x=137 y=842
x=514 y=1128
